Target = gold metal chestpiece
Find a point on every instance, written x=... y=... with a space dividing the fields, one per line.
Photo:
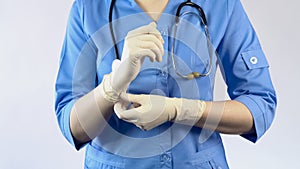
x=193 y=75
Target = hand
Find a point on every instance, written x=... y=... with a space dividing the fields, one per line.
x=145 y=41
x=149 y=111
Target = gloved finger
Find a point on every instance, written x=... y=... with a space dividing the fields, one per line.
x=119 y=109
x=115 y=65
x=153 y=24
x=131 y=115
x=142 y=53
x=153 y=47
x=156 y=32
x=147 y=29
x=124 y=97
x=125 y=104
x=143 y=29
x=153 y=39
x=132 y=98
x=140 y=126
x=145 y=126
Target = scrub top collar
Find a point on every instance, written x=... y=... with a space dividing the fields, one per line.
x=169 y=9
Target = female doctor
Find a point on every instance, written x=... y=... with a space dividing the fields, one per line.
x=138 y=92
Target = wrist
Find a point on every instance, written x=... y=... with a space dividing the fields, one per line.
x=201 y=107
x=109 y=93
x=188 y=111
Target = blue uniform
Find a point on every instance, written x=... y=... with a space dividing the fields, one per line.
x=87 y=56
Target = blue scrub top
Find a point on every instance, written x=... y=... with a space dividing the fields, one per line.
x=87 y=55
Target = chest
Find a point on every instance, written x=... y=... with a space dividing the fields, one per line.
x=188 y=49
x=152 y=5
x=129 y=14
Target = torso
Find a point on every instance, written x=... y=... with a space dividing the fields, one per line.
x=128 y=15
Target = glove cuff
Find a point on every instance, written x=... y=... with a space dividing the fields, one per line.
x=188 y=111
x=109 y=93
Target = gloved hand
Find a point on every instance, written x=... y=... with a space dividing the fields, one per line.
x=145 y=41
x=149 y=111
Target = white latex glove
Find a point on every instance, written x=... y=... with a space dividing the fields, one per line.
x=145 y=41
x=149 y=111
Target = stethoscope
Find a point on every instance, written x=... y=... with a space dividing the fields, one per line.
x=201 y=13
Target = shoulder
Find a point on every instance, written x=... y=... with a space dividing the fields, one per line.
x=226 y=6
x=90 y=4
x=93 y=2
x=91 y=7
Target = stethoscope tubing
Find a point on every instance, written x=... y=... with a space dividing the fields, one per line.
x=191 y=75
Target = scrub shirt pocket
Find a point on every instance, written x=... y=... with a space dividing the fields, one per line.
x=98 y=159
x=212 y=157
x=204 y=163
x=93 y=164
x=209 y=164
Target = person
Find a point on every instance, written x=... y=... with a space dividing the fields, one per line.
x=136 y=111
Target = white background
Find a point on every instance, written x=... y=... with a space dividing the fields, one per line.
x=31 y=36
